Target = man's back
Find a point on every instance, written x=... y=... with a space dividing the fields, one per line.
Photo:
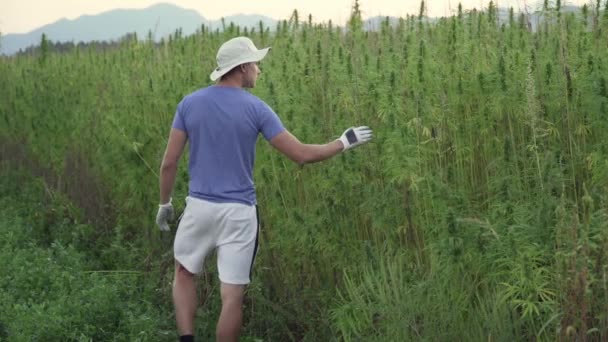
x=222 y=125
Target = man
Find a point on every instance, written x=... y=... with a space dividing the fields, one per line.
x=221 y=123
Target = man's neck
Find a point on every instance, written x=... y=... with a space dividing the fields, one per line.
x=230 y=82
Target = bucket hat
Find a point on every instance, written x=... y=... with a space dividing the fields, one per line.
x=236 y=51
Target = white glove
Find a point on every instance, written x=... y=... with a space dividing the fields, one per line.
x=165 y=213
x=355 y=136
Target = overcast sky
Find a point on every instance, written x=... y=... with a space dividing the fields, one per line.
x=19 y=16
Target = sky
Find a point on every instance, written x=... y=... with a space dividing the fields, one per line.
x=20 y=16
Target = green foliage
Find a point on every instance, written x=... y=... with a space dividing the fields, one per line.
x=478 y=210
x=392 y=302
x=49 y=291
x=44 y=49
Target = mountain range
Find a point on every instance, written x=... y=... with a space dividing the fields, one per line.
x=161 y=20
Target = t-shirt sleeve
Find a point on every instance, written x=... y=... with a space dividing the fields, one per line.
x=178 y=120
x=269 y=122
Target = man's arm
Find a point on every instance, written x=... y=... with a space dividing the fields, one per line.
x=301 y=153
x=168 y=168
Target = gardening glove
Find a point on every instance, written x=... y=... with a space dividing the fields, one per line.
x=165 y=213
x=355 y=136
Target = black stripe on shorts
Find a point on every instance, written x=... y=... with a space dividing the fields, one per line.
x=257 y=235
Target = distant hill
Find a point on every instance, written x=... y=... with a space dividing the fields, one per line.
x=162 y=19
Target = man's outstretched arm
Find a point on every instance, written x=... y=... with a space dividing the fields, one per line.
x=302 y=154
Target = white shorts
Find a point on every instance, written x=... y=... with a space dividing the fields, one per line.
x=231 y=228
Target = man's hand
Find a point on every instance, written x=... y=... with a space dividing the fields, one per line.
x=165 y=213
x=355 y=136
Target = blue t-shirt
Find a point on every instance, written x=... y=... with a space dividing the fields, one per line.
x=222 y=125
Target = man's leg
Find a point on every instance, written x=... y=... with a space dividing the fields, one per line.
x=231 y=317
x=184 y=299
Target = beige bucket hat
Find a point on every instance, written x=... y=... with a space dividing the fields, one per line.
x=236 y=51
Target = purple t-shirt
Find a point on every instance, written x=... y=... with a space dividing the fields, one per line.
x=222 y=125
